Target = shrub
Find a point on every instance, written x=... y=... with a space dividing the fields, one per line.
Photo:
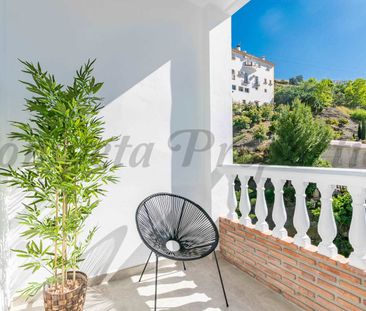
x=343 y=121
x=299 y=138
x=358 y=114
x=332 y=121
x=241 y=122
x=260 y=132
x=267 y=112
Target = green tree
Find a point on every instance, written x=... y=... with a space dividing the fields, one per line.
x=355 y=93
x=299 y=138
x=315 y=94
x=324 y=92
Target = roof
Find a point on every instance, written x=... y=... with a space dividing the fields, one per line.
x=253 y=57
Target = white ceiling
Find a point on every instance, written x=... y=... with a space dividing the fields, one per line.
x=227 y=6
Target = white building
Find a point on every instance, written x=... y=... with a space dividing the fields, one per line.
x=252 y=78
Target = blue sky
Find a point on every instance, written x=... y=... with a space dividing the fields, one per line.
x=315 y=38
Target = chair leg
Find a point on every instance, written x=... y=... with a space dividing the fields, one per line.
x=222 y=283
x=156 y=280
x=143 y=271
x=184 y=266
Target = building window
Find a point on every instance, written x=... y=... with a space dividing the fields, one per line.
x=232 y=74
x=246 y=90
x=256 y=80
x=265 y=81
x=270 y=82
x=256 y=88
x=246 y=77
x=244 y=101
x=241 y=89
x=265 y=90
x=233 y=87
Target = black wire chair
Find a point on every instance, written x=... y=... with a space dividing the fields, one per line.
x=176 y=228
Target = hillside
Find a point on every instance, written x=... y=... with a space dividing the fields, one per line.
x=248 y=148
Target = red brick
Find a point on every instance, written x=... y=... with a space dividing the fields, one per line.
x=348 y=305
x=269 y=243
x=329 y=305
x=282 y=257
x=269 y=271
x=271 y=286
x=280 y=285
x=353 y=289
x=340 y=291
x=311 y=303
x=302 y=305
x=316 y=289
x=299 y=256
x=274 y=260
x=317 y=273
x=299 y=272
x=337 y=271
x=262 y=255
x=287 y=243
x=256 y=246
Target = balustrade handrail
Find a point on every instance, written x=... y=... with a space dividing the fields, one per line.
x=326 y=179
x=340 y=176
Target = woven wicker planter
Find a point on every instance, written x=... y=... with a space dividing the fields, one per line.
x=70 y=301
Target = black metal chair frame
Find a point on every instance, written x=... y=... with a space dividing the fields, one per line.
x=159 y=253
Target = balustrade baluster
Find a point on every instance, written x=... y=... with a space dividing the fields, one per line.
x=244 y=204
x=327 y=227
x=357 y=231
x=261 y=210
x=232 y=201
x=279 y=211
x=301 y=217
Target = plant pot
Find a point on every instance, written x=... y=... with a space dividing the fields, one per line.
x=69 y=300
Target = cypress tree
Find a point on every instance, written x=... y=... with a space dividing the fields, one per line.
x=359 y=130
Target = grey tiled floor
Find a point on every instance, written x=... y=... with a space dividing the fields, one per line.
x=198 y=288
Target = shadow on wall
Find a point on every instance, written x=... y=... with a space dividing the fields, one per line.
x=131 y=40
x=100 y=256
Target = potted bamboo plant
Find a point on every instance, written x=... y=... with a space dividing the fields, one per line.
x=62 y=181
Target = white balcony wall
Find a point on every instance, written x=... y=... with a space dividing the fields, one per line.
x=326 y=180
x=165 y=65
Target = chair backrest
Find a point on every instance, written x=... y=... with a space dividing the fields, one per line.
x=163 y=217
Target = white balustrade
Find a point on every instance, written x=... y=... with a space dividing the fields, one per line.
x=326 y=180
x=327 y=227
x=279 y=214
x=261 y=209
x=357 y=231
x=244 y=204
x=301 y=217
x=232 y=202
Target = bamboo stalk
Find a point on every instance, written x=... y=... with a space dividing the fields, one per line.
x=75 y=242
x=56 y=244
x=64 y=237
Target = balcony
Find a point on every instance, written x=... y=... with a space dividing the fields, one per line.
x=319 y=276
x=195 y=289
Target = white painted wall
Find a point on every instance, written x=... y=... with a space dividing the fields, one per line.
x=165 y=64
x=250 y=92
x=346 y=154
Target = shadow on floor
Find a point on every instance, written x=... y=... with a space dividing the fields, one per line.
x=196 y=289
